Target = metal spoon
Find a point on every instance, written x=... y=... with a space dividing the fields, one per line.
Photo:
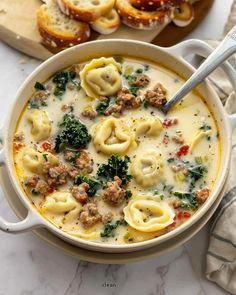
x=226 y=48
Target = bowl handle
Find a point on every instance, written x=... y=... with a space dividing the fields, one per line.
x=30 y=222
x=201 y=48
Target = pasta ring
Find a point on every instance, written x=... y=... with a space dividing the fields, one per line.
x=41 y=125
x=101 y=77
x=113 y=136
x=146 y=168
x=138 y=211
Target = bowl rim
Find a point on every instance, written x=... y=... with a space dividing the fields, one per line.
x=107 y=247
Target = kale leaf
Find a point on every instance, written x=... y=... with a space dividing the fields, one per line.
x=189 y=200
x=34 y=104
x=61 y=79
x=73 y=158
x=72 y=133
x=109 y=228
x=102 y=106
x=195 y=173
x=134 y=90
x=116 y=166
x=39 y=86
x=94 y=184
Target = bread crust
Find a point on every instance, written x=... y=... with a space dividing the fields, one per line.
x=85 y=14
x=138 y=19
x=55 y=39
x=153 y=5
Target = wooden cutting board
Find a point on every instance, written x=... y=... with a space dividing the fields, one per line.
x=18 y=28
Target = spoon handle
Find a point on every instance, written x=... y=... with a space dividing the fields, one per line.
x=226 y=48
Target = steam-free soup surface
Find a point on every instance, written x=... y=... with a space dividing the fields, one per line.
x=99 y=160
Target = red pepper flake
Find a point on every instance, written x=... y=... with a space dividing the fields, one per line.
x=31 y=184
x=183 y=214
x=187 y=214
x=183 y=150
x=180 y=215
x=166 y=140
x=50 y=189
x=47 y=146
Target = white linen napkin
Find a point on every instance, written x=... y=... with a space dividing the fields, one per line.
x=221 y=254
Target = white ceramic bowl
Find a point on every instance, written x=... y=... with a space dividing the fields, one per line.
x=169 y=57
x=99 y=257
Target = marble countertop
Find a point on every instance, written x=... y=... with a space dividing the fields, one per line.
x=29 y=266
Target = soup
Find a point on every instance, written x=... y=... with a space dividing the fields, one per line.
x=99 y=160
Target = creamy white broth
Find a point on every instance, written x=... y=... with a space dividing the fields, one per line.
x=192 y=114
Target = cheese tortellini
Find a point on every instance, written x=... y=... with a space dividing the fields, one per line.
x=113 y=136
x=34 y=160
x=148 y=126
x=148 y=213
x=147 y=168
x=101 y=77
x=60 y=202
x=41 y=125
x=63 y=210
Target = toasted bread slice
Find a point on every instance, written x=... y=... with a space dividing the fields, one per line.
x=107 y=24
x=139 y=19
x=57 y=29
x=85 y=10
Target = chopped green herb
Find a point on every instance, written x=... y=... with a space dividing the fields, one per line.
x=176 y=80
x=77 y=84
x=45 y=157
x=116 y=166
x=139 y=71
x=39 y=86
x=146 y=104
x=128 y=194
x=44 y=104
x=72 y=133
x=34 y=104
x=162 y=197
x=205 y=127
x=102 y=106
x=198 y=160
x=109 y=228
x=34 y=192
x=168 y=187
x=146 y=67
x=170 y=160
x=131 y=76
x=134 y=90
x=73 y=158
x=94 y=184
